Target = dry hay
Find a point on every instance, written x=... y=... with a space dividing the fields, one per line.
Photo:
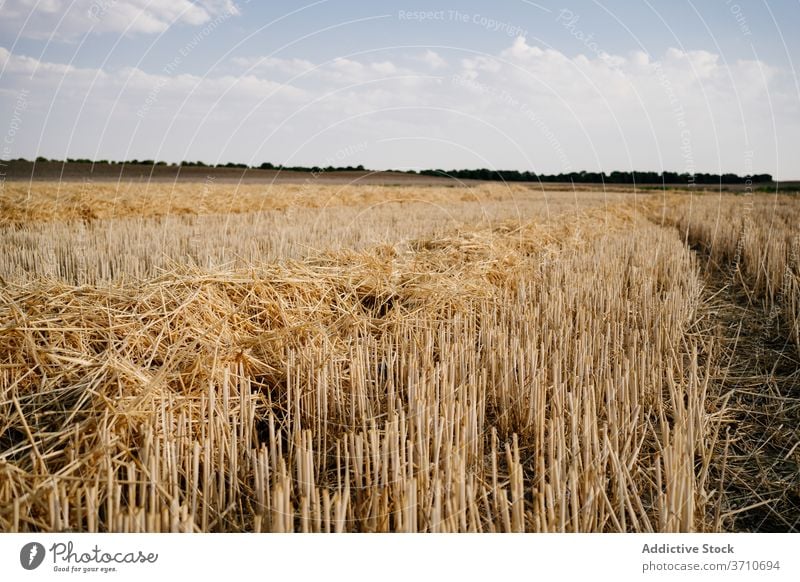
x=24 y=203
x=127 y=249
x=520 y=377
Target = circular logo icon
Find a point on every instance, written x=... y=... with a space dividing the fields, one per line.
x=31 y=555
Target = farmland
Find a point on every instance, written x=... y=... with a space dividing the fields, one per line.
x=201 y=357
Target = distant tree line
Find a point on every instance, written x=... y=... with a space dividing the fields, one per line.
x=200 y=164
x=633 y=177
x=312 y=169
x=601 y=177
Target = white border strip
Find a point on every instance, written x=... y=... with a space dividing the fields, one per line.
x=409 y=558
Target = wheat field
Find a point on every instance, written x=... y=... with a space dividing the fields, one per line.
x=210 y=357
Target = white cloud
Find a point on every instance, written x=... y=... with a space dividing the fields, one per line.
x=433 y=59
x=384 y=68
x=348 y=68
x=640 y=58
x=339 y=70
x=488 y=64
x=701 y=64
x=269 y=65
x=522 y=50
x=68 y=20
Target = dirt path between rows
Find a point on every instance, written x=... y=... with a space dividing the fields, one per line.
x=759 y=464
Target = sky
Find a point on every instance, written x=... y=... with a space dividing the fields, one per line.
x=550 y=87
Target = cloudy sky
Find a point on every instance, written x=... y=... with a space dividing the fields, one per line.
x=678 y=85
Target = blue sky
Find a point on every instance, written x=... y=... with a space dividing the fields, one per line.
x=548 y=86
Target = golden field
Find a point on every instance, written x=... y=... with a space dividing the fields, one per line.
x=214 y=357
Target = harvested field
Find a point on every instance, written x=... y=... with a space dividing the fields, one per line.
x=482 y=359
x=225 y=226
x=24 y=203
